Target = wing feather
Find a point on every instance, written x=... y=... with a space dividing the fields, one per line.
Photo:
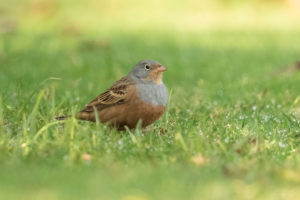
x=116 y=94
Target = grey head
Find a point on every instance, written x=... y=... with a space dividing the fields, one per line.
x=148 y=71
x=148 y=75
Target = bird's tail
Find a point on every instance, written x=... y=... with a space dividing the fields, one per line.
x=63 y=117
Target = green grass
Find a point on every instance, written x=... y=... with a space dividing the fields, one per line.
x=231 y=130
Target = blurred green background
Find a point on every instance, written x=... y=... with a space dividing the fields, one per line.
x=232 y=126
x=76 y=38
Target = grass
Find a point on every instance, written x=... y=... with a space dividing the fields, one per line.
x=231 y=130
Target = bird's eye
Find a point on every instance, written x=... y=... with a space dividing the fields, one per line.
x=147 y=67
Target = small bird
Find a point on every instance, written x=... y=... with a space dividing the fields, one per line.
x=139 y=96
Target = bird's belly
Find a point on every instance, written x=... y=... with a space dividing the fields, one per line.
x=129 y=115
x=145 y=112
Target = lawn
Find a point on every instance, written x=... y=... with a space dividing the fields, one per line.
x=232 y=126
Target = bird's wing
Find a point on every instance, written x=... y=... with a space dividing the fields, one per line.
x=116 y=94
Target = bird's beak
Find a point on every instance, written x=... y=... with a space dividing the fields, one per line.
x=161 y=69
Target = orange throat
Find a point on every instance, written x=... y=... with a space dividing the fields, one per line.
x=156 y=76
x=159 y=78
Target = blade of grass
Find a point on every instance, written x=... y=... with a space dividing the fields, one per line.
x=133 y=138
x=1 y=120
x=32 y=117
x=179 y=139
x=44 y=128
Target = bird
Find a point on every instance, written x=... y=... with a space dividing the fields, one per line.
x=139 y=96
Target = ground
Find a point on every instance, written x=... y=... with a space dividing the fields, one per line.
x=231 y=129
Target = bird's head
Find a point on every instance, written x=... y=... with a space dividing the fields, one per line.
x=148 y=71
